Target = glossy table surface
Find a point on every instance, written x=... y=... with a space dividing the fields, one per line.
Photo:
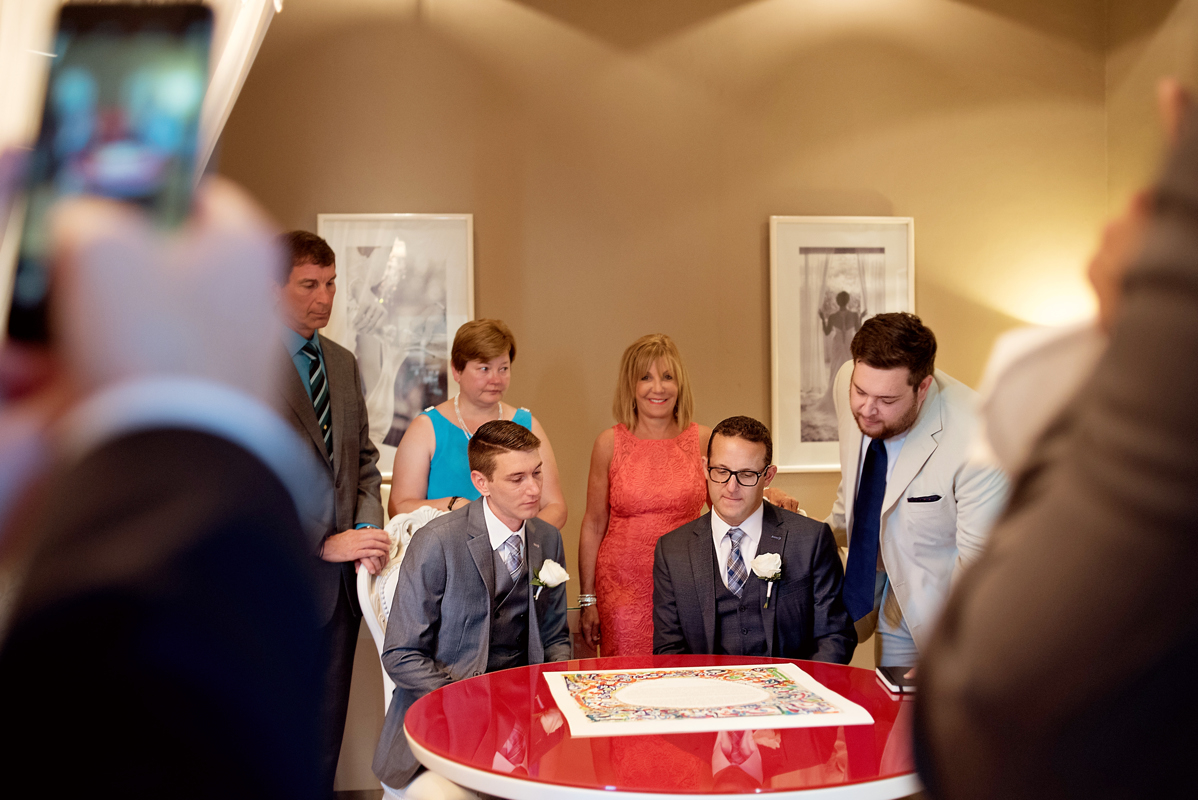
x=501 y=733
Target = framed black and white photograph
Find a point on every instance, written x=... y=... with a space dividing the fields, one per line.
x=405 y=284
x=827 y=276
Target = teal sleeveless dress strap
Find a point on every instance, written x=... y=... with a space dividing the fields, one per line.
x=449 y=471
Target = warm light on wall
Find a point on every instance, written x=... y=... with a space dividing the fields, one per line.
x=1057 y=295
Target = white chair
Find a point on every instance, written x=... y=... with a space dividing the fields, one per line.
x=375 y=592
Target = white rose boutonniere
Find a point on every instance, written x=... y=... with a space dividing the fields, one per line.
x=768 y=567
x=552 y=574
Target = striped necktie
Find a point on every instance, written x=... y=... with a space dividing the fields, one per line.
x=320 y=395
x=737 y=574
x=512 y=552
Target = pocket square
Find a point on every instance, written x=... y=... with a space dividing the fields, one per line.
x=930 y=498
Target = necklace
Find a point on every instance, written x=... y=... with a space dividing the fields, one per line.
x=458 y=410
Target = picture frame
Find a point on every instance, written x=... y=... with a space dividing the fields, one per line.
x=827 y=276
x=405 y=284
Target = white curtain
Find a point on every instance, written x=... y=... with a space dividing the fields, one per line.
x=873 y=282
x=813 y=373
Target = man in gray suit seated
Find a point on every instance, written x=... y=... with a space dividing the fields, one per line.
x=707 y=596
x=468 y=573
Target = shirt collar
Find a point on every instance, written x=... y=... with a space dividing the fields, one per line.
x=496 y=530
x=751 y=526
x=893 y=445
x=294 y=342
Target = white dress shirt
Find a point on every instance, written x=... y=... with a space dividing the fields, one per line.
x=498 y=531
x=748 y=545
x=894 y=446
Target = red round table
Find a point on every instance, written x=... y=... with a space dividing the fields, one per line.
x=502 y=734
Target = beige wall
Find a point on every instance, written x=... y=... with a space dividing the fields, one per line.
x=1148 y=39
x=622 y=157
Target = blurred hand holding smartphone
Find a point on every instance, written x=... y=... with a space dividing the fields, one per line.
x=120 y=120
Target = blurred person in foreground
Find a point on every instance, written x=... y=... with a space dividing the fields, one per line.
x=912 y=505
x=431 y=465
x=465 y=602
x=320 y=394
x=161 y=639
x=1063 y=662
x=749 y=578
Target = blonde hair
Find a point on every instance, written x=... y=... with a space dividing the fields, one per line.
x=635 y=363
x=481 y=340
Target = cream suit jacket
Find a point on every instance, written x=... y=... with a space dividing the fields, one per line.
x=924 y=545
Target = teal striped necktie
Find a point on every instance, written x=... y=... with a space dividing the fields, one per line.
x=320 y=394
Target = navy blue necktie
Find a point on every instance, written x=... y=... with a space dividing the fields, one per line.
x=860 y=575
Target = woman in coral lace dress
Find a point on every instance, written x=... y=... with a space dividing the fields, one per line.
x=646 y=479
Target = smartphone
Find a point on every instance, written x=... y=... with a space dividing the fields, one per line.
x=896 y=680
x=120 y=120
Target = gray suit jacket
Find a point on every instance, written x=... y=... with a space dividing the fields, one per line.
x=805 y=617
x=440 y=625
x=352 y=470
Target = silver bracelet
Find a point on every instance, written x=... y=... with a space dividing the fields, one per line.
x=587 y=600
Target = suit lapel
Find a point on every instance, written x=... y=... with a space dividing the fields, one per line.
x=773 y=540
x=293 y=391
x=702 y=571
x=917 y=447
x=480 y=547
x=533 y=559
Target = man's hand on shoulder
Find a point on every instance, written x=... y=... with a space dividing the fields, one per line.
x=369 y=546
x=782 y=500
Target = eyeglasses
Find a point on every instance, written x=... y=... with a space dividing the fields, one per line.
x=745 y=477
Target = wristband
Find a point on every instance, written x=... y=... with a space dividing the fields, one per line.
x=587 y=600
x=453 y=500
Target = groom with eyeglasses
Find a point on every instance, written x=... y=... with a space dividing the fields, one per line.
x=748 y=578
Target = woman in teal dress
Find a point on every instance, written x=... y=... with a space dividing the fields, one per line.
x=431 y=467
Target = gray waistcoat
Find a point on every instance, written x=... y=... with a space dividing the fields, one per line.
x=509 y=619
x=738 y=627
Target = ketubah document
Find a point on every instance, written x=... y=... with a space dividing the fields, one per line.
x=626 y=702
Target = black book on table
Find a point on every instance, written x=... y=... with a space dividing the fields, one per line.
x=895 y=679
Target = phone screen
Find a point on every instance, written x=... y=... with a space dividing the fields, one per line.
x=120 y=120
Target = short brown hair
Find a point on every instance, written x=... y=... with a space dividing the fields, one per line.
x=745 y=428
x=636 y=361
x=496 y=437
x=890 y=341
x=305 y=247
x=481 y=340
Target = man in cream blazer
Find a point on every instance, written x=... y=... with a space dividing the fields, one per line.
x=911 y=506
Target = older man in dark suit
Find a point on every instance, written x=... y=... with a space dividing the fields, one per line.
x=710 y=597
x=321 y=396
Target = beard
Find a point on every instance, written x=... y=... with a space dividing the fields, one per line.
x=900 y=425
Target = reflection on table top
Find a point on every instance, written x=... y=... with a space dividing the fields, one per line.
x=492 y=729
